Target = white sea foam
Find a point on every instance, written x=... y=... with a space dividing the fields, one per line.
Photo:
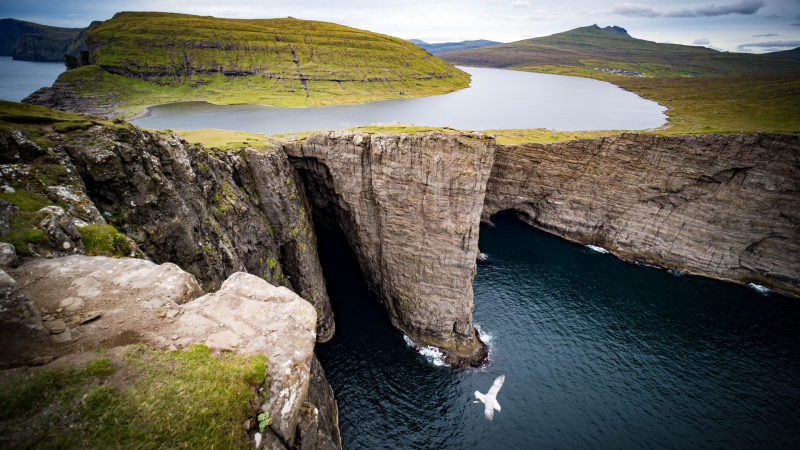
x=483 y=256
x=646 y=265
x=485 y=337
x=597 y=249
x=677 y=273
x=763 y=290
x=432 y=354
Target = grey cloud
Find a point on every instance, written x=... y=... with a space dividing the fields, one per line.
x=771 y=44
x=638 y=10
x=766 y=35
x=634 y=10
x=796 y=24
x=701 y=41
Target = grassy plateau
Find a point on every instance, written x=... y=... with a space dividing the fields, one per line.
x=147 y=58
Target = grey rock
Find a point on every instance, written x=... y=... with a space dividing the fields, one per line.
x=135 y=277
x=260 y=318
x=55 y=326
x=71 y=304
x=61 y=338
x=21 y=325
x=6 y=208
x=62 y=237
x=8 y=255
x=307 y=437
x=320 y=394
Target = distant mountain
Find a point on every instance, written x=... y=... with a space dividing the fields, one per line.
x=28 y=41
x=613 y=48
x=790 y=54
x=453 y=46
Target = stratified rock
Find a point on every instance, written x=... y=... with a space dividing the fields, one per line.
x=55 y=326
x=261 y=319
x=724 y=206
x=410 y=206
x=307 y=437
x=20 y=322
x=212 y=214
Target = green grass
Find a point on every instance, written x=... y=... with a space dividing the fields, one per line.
x=225 y=140
x=149 y=58
x=589 y=47
x=518 y=136
x=143 y=399
x=39 y=121
x=104 y=240
x=23 y=222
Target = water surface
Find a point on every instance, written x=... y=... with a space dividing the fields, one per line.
x=597 y=353
x=496 y=99
x=19 y=79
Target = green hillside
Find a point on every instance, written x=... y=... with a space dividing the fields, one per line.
x=284 y=62
x=453 y=46
x=790 y=54
x=28 y=41
x=594 y=47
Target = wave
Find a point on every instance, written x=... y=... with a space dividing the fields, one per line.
x=763 y=290
x=432 y=354
x=597 y=249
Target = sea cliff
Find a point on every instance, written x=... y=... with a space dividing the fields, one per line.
x=718 y=205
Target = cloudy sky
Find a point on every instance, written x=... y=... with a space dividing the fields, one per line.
x=744 y=25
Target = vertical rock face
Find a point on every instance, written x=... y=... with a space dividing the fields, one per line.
x=211 y=214
x=410 y=206
x=724 y=206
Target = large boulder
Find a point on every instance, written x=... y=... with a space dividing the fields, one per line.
x=250 y=316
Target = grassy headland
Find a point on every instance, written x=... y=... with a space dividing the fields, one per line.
x=594 y=47
x=146 y=58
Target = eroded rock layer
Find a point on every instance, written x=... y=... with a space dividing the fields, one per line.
x=725 y=206
x=212 y=214
x=410 y=206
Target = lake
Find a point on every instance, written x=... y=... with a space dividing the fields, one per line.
x=496 y=99
x=18 y=79
x=597 y=353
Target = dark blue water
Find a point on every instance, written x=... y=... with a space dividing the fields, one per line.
x=19 y=79
x=597 y=354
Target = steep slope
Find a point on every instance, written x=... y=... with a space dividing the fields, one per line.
x=211 y=213
x=28 y=41
x=453 y=46
x=590 y=47
x=723 y=206
x=151 y=58
x=410 y=206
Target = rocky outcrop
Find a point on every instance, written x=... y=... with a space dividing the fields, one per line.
x=410 y=206
x=211 y=214
x=724 y=206
x=94 y=302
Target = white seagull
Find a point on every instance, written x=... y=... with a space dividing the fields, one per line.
x=490 y=399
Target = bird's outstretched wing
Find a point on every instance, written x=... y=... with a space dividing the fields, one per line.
x=498 y=383
x=489 y=411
